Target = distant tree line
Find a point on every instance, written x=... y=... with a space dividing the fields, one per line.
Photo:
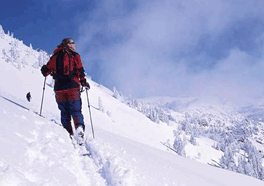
x=233 y=135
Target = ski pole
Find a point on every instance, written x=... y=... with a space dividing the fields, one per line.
x=42 y=96
x=90 y=113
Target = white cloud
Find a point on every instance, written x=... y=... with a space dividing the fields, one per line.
x=150 y=48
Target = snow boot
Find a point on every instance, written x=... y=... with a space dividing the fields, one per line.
x=79 y=135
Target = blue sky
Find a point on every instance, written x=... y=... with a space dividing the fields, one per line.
x=42 y=23
x=153 y=47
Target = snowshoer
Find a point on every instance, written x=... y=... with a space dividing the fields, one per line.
x=66 y=67
x=28 y=96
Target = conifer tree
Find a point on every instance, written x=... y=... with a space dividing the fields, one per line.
x=100 y=104
x=179 y=144
x=2 y=32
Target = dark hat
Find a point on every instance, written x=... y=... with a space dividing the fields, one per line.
x=67 y=41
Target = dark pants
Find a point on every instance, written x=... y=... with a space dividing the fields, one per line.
x=70 y=105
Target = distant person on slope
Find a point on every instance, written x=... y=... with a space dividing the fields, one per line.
x=28 y=96
x=66 y=67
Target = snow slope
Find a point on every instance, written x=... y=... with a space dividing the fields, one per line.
x=126 y=150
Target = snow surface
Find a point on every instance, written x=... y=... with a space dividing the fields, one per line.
x=126 y=151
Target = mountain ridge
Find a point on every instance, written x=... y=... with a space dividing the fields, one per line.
x=193 y=133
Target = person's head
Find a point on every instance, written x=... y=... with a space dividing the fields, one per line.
x=68 y=42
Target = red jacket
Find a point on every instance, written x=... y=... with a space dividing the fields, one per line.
x=66 y=68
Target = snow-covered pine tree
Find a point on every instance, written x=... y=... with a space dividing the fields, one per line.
x=179 y=144
x=2 y=32
x=224 y=140
x=241 y=167
x=153 y=115
x=227 y=161
x=43 y=58
x=14 y=54
x=5 y=56
x=193 y=140
x=100 y=104
x=186 y=127
x=118 y=95
x=254 y=161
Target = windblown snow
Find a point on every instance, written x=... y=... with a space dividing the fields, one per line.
x=127 y=149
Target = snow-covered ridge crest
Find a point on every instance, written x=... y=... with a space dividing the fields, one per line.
x=14 y=51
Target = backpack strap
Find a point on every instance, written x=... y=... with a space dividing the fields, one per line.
x=69 y=56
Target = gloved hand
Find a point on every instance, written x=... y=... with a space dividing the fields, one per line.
x=44 y=70
x=85 y=84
